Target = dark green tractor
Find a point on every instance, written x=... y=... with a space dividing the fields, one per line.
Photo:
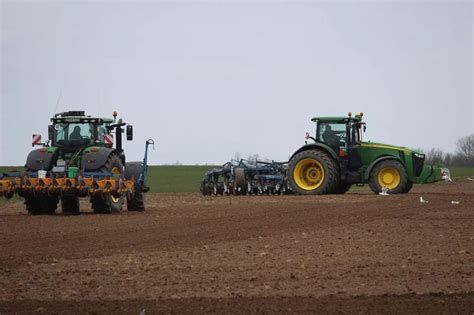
x=337 y=158
x=83 y=157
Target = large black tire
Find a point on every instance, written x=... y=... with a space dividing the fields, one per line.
x=137 y=202
x=342 y=188
x=133 y=170
x=392 y=175
x=109 y=203
x=313 y=172
x=41 y=205
x=70 y=205
x=408 y=188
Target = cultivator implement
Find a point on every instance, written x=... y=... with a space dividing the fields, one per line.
x=247 y=178
x=88 y=184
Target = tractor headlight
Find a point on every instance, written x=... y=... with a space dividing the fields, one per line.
x=419 y=155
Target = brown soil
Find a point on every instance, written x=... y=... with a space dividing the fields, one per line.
x=186 y=253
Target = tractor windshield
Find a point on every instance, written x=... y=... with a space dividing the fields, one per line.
x=332 y=134
x=339 y=134
x=74 y=134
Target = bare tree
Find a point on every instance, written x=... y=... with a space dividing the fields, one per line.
x=465 y=149
x=435 y=157
x=252 y=158
x=448 y=159
x=237 y=156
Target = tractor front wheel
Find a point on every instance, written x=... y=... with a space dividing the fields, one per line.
x=390 y=174
x=313 y=172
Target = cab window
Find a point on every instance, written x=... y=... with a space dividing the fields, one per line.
x=73 y=133
x=332 y=134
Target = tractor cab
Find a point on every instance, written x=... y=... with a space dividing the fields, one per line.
x=339 y=133
x=72 y=130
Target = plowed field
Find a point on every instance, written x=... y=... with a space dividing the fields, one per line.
x=186 y=253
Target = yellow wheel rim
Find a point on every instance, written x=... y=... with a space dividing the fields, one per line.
x=389 y=177
x=116 y=174
x=308 y=174
x=115 y=200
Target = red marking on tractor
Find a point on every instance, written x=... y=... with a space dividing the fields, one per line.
x=109 y=140
x=36 y=140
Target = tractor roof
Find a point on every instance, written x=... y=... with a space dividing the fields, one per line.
x=340 y=119
x=78 y=116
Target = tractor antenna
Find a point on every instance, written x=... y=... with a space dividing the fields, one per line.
x=57 y=102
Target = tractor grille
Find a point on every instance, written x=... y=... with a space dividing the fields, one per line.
x=417 y=164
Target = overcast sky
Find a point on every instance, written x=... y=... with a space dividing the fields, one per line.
x=209 y=79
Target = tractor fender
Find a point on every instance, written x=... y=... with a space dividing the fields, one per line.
x=95 y=159
x=133 y=170
x=318 y=146
x=42 y=159
x=382 y=158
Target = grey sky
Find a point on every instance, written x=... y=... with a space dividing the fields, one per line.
x=208 y=79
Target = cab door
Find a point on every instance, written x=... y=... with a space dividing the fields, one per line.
x=354 y=161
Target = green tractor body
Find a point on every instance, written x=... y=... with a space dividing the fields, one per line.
x=83 y=157
x=337 y=158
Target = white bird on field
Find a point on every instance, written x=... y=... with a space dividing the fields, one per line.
x=384 y=191
x=472 y=179
x=423 y=200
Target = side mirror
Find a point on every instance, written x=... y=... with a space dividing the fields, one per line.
x=129 y=132
x=50 y=132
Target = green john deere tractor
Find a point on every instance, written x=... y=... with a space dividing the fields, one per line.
x=80 y=160
x=337 y=158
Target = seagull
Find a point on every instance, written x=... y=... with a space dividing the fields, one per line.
x=423 y=200
x=384 y=191
x=455 y=202
x=446 y=175
x=471 y=179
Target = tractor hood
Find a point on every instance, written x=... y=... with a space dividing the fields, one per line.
x=387 y=146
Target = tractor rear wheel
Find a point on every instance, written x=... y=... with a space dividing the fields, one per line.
x=70 y=205
x=313 y=172
x=390 y=174
x=137 y=202
x=41 y=205
x=110 y=203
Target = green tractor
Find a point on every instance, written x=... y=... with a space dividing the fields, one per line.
x=337 y=158
x=80 y=160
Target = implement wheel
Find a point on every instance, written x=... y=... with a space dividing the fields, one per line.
x=70 y=205
x=109 y=203
x=313 y=172
x=240 y=181
x=390 y=174
x=41 y=205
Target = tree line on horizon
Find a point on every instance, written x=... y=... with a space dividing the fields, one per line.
x=462 y=157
